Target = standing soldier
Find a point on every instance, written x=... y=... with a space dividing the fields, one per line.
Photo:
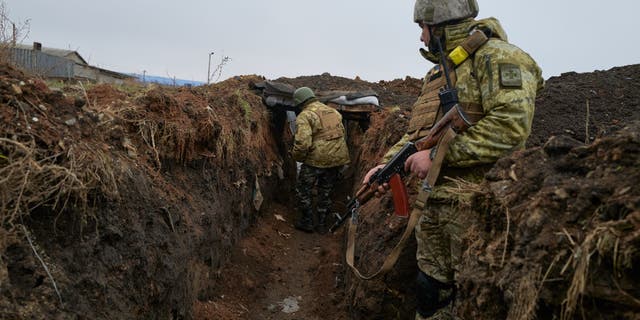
x=321 y=147
x=496 y=84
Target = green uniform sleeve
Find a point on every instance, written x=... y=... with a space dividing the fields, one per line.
x=509 y=80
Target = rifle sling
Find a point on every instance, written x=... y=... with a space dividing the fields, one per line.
x=441 y=149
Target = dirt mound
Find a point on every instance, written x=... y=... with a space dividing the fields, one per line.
x=586 y=106
x=559 y=238
x=115 y=201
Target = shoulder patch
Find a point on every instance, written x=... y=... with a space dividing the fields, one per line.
x=510 y=75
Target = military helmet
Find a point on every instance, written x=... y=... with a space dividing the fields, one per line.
x=302 y=94
x=434 y=12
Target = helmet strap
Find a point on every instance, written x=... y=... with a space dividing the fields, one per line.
x=435 y=43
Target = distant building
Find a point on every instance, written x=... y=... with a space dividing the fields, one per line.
x=51 y=63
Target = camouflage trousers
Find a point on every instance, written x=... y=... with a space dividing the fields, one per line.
x=439 y=238
x=320 y=179
x=445 y=220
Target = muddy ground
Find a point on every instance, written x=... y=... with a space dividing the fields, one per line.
x=133 y=202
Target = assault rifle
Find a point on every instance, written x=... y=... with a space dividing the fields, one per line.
x=393 y=172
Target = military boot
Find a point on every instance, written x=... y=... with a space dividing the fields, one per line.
x=321 y=227
x=434 y=298
x=305 y=222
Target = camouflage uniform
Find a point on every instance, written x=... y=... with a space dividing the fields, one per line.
x=321 y=147
x=497 y=86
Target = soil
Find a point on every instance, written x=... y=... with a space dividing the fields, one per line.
x=129 y=202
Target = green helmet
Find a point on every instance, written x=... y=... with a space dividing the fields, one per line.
x=434 y=12
x=302 y=94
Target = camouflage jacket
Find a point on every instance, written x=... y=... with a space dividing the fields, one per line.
x=312 y=145
x=501 y=78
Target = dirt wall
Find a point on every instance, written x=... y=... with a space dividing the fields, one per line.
x=139 y=216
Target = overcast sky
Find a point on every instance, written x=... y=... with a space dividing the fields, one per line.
x=373 y=39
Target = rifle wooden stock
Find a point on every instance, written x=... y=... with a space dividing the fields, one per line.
x=366 y=192
x=455 y=118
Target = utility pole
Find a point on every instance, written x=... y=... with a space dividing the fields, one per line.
x=144 y=76
x=14 y=36
x=209 y=68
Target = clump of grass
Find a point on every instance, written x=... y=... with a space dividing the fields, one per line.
x=32 y=177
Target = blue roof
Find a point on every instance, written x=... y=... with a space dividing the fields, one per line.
x=166 y=81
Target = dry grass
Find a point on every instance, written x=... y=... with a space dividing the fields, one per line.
x=525 y=299
x=581 y=259
x=603 y=241
x=29 y=180
x=32 y=178
x=462 y=190
x=168 y=139
x=163 y=126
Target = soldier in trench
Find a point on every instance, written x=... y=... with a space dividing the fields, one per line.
x=320 y=145
x=496 y=85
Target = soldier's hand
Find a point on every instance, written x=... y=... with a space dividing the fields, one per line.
x=371 y=172
x=419 y=163
x=382 y=189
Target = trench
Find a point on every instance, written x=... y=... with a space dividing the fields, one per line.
x=196 y=226
x=172 y=230
x=277 y=272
